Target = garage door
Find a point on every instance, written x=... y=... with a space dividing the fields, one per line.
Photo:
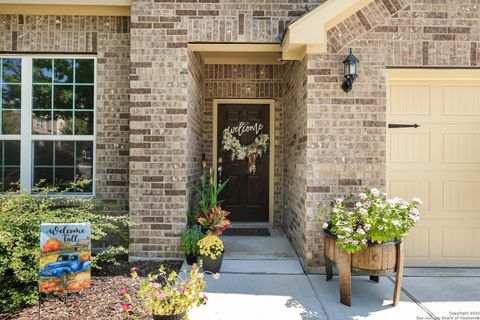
x=438 y=161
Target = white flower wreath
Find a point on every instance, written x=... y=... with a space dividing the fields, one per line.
x=240 y=152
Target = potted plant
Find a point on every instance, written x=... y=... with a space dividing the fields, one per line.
x=214 y=221
x=208 y=190
x=190 y=238
x=165 y=297
x=211 y=253
x=365 y=236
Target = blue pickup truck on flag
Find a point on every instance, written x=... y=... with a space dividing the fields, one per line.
x=65 y=257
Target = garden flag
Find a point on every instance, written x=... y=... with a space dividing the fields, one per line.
x=64 y=257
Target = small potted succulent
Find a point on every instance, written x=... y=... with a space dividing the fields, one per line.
x=190 y=238
x=211 y=253
x=165 y=297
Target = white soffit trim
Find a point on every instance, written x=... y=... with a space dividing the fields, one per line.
x=238 y=53
x=309 y=33
x=71 y=2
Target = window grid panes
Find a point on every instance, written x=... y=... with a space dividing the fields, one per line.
x=63 y=96
x=10 y=95
x=59 y=148
x=9 y=165
x=60 y=162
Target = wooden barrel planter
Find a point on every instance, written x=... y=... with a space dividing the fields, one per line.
x=376 y=260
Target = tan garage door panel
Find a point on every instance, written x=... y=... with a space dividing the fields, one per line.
x=439 y=162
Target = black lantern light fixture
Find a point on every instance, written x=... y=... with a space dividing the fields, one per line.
x=349 y=71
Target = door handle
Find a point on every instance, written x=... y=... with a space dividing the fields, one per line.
x=400 y=125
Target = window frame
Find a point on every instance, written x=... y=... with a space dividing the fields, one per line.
x=26 y=137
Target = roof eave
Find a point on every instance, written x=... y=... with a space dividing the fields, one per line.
x=308 y=35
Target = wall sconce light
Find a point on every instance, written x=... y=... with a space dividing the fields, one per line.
x=349 y=71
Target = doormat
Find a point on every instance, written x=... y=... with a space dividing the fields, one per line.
x=247 y=232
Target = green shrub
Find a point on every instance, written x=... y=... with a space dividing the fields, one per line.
x=190 y=237
x=20 y=217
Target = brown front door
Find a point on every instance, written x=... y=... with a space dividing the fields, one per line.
x=246 y=195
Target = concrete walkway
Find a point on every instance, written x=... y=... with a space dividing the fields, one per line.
x=261 y=278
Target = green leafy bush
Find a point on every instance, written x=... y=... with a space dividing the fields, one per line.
x=190 y=237
x=20 y=217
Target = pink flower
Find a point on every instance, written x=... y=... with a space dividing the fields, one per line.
x=347 y=229
x=367 y=226
x=205 y=298
x=160 y=295
x=123 y=291
x=181 y=291
x=194 y=267
x=364 y=241
x=125 y=307
x=133 y=270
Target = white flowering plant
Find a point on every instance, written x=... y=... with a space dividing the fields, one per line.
x=232 y=144
x=239 y=152
x=372 y=219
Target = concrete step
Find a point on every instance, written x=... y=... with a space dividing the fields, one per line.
x=262 y=266
x=281 y=267
x=259 y=255
x=258 y=248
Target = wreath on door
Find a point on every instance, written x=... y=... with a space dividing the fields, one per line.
x=239 y=152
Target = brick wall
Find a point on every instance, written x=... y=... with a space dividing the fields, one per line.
x=233 y=21
x=248 y=82
x=195 y=122
x=108 y=38
x=159 y=75
x=347 y=132
x=158 y=131
x=295 y=154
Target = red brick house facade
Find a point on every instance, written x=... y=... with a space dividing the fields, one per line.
x=157 y=88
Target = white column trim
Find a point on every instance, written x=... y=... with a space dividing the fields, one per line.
x=26 y=164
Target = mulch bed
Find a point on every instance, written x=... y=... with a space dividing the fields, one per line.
x=100 y=301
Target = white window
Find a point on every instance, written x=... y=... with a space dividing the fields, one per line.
x=47 y=122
